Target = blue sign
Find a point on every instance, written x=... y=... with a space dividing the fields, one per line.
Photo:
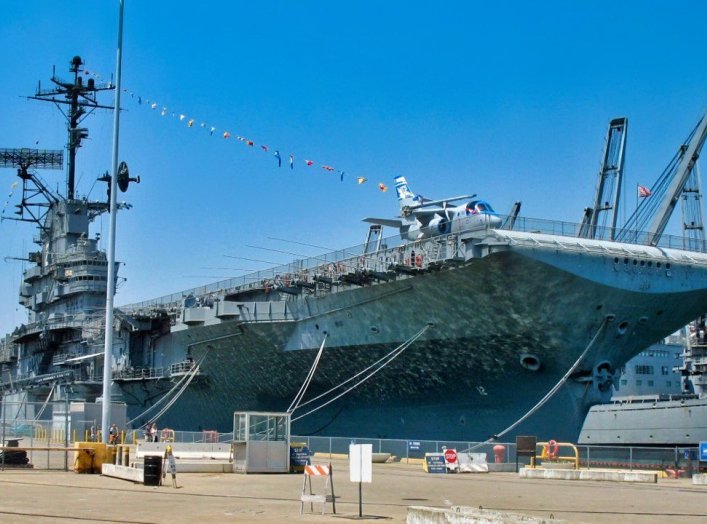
x=435 y=463
x=414 y=445
x=299 y=456
x=703 y=451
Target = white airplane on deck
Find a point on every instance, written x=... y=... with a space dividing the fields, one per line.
x=421 y=218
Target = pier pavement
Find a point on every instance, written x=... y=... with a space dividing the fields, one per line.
x=57 y=496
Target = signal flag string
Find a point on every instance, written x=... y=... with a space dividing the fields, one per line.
x=226 y=134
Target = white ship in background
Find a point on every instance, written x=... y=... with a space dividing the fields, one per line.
x=466 y=317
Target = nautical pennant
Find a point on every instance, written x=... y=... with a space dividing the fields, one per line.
x=642 y=190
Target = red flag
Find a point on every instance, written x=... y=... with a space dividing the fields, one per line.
x=250 y=143
x=644 y=192
x=328 y=168
x=309 y=162
x=226 y=134
x=383 y=187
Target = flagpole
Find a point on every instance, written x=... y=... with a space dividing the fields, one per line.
x=110 y=291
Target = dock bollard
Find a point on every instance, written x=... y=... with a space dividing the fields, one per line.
x=499 y=453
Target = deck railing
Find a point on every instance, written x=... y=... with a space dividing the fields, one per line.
x=351 y=258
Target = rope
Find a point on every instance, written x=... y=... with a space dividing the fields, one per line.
x=307 y=380
x=549 y=394
x=184 y=387
x=397 y=352
x=41 y=410
x=166 y=395
x=402 y=347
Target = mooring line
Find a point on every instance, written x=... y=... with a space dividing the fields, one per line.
x=308 y=379
x=547 y=397
x=393 y=355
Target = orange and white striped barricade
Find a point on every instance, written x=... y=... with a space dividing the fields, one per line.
x=321 y=471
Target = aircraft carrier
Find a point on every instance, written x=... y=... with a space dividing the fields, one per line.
x=452 y=329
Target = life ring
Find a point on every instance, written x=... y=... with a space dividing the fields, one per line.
x=551 y=450
x=418 y=260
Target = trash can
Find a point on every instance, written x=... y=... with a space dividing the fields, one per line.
x=152 y=470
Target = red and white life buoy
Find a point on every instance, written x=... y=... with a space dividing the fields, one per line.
x=552 y=449
x=418 y=260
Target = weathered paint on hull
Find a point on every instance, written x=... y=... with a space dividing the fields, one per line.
x=484 y=315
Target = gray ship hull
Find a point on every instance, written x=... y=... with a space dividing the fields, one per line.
x=647 y=422
x=465 y=377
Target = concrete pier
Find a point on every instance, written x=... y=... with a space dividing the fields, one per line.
x=55 y=496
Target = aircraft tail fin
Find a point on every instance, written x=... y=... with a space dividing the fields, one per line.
x=405 y=196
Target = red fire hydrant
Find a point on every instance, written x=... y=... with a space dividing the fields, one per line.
x=499 y=452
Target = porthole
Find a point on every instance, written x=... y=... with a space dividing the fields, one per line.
x=375 y=330
x=658 y=264
x=622 y=327
x=530 y=362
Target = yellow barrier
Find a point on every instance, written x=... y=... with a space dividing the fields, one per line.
x=551 y=453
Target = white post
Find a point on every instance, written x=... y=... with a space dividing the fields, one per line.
x=110 y=292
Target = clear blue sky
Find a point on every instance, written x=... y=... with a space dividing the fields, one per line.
x=509 y=100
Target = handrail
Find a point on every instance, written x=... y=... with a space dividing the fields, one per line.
x=350 y=257
x=545 y=454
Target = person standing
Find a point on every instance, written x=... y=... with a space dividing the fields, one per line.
x=169 y=462
x=113 y=434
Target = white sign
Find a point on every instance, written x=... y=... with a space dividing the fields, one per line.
x=361 y=462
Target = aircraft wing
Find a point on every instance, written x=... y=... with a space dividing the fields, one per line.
x=427 y=203
x=389 y=222
x=425 y=214
x=427 y=211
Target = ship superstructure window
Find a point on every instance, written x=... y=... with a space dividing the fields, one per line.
x=643 y=369
x=668 y=384
x=639 y=382
x=664 y=370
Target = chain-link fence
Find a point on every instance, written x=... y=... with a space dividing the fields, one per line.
x=42 y=436
x=624 y=457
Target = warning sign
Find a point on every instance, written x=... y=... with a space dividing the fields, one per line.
x=450 y=456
